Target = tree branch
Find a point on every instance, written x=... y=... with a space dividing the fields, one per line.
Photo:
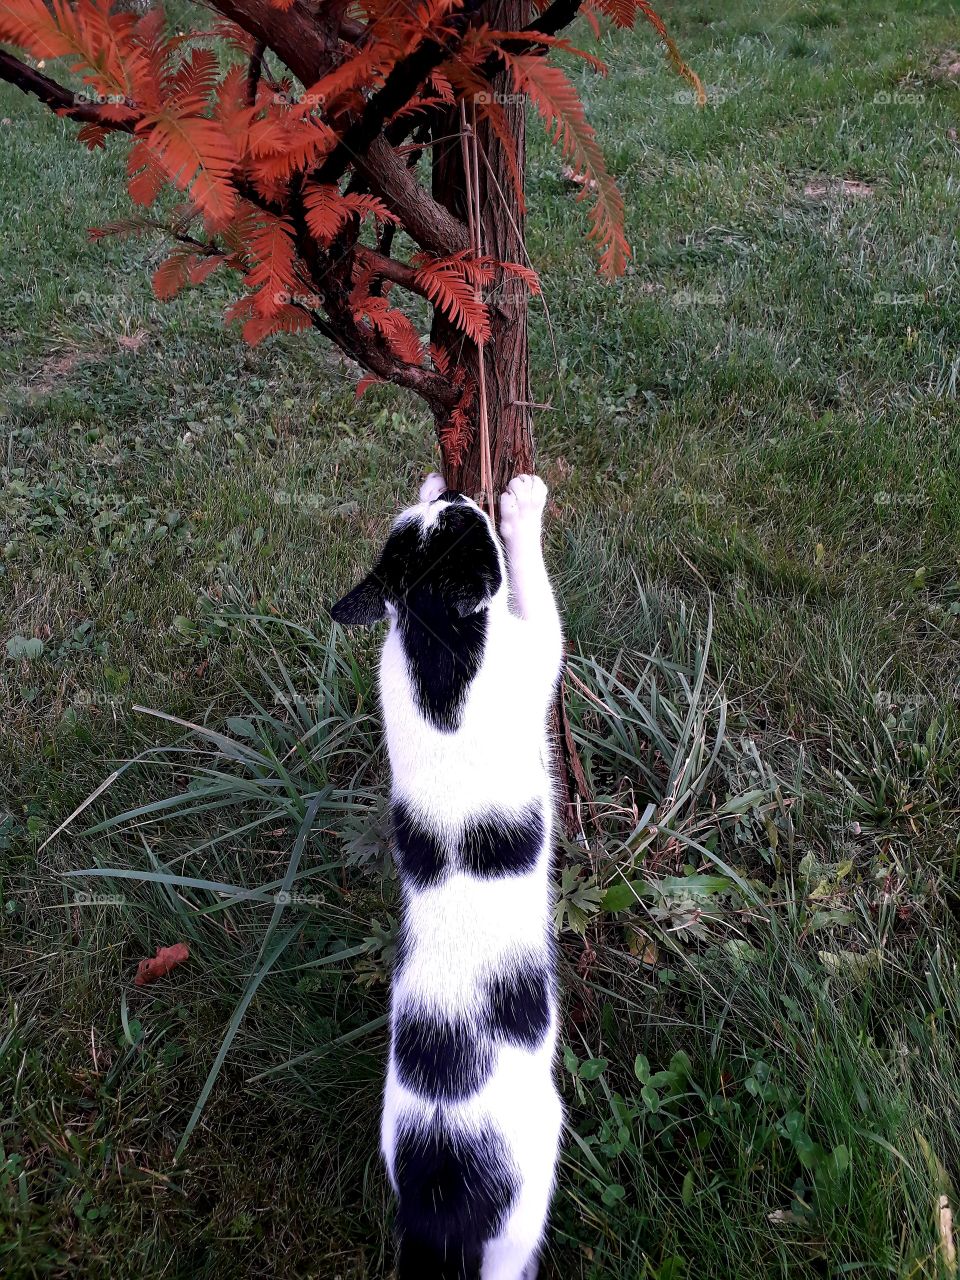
x=254 y=71
x=390 y=269
x=296 y=35
x=400 y=86
x=60 y=99
x=554 y=18
x=298 y=41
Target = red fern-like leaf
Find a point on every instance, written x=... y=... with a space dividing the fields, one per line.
x=452 y=286
x=194 y=81
x=92 y=136
x=526 y=274
x=534 y=38
x=122 y=227
x=556 y=99
x=238 y=39
x=366 y=382
x=647 y=11
x=394 y=326
x=99 y=42
x=286 y=320
x=146 y=175
x=361 y=71
x=457 y=432
x=197 y=155
x=328 y=209
x=272 y=270
x=173 y=274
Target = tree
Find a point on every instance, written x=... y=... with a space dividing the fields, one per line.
x=299 y=151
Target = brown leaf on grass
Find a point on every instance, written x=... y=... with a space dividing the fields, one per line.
x=577 y=179
x=159 y=966
x=133 y=341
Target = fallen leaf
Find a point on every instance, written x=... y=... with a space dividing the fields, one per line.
x=158 y=966
x=133 y=341
x=578 y=179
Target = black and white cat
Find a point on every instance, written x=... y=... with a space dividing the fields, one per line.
x=471 y=1116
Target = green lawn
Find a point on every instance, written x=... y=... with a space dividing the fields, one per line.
x=754 y=455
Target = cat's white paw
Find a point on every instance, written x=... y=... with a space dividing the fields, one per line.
x=521 y=506
x=432 y=487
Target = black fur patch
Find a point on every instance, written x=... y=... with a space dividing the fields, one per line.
x=440 y=1058
x=419 y=852
x=418 y=1260
x=520 y=1005
x=503 y=846
x=454 y=1193
x=438 y=580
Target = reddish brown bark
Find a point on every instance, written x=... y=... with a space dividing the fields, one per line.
x=502 y=237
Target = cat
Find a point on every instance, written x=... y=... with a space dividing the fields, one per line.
x=471 y=1117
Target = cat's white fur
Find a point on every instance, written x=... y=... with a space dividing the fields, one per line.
x=467 y=929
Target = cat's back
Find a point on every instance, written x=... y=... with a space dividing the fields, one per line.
x=495 y=754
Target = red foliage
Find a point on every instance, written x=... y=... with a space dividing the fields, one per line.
x=276 y=180
x=160 y=965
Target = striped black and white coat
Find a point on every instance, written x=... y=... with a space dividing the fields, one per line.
x=471 y=1115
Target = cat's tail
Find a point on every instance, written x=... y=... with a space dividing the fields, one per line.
x=421 y=1259
x=454 y=1187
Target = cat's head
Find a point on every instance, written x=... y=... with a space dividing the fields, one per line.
x=441 y=560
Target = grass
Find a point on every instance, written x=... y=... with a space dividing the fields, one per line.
x=754 y=461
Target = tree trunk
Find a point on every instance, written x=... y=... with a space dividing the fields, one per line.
x=501 y=236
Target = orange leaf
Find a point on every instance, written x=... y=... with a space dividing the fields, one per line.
x=328 y=209
x=159 y=966
x=173 y=274
x=196 y=154
x=451 y=284
x=556 y=99
x=286 y=320
x=272 y=270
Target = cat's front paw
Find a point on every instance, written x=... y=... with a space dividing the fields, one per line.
x=432 y=487
x=521 y=506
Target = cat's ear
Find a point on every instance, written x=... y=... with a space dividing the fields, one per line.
x=363 y=606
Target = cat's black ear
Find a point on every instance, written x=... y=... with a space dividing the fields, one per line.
x=361 y=607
